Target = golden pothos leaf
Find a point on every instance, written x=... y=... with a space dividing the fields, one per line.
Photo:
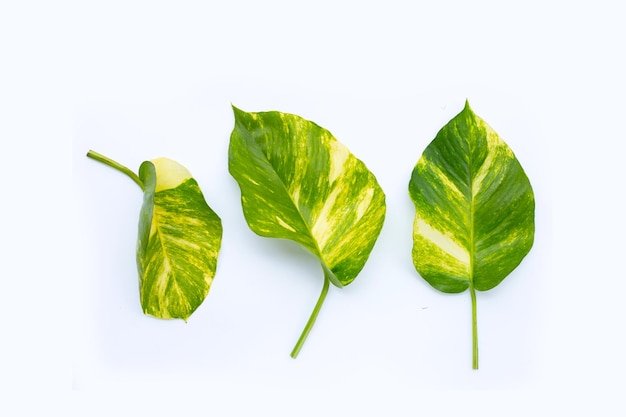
x=298 y=182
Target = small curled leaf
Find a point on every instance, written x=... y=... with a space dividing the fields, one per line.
x=178 y=241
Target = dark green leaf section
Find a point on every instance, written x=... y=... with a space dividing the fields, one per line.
x=474 y=219
x=298 y=182
x=178 y=244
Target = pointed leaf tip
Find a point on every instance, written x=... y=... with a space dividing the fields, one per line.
x=236 y=110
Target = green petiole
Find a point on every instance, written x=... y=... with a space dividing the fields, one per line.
x=474 y=329
x=311 y=322
x=113 y=164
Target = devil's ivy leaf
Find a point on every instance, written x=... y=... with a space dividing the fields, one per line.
x=299 y=183
x=474 y=220
x=179 y=239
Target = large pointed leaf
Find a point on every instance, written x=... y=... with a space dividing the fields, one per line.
x=179 y=239
x=474 y=220
x=298 y=182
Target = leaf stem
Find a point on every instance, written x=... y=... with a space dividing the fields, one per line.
x=474 y=328
x=107 y=161
x=311 y=322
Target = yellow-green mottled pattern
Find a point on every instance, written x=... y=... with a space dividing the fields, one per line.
x=475 y=207
x=178 y=244
x=298 y=182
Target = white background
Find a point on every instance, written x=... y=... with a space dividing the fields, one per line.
x=139 y=80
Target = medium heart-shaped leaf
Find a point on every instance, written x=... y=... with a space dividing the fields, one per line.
x=179 y=239
x=474 y=220
x=299 y=183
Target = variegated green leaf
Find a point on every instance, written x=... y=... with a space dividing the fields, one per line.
x=474 y=220
x=298 y=182
x=179 y=239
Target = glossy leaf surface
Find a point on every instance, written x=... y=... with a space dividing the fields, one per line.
x=299 y=183
x=178 y=241
x=474 y=220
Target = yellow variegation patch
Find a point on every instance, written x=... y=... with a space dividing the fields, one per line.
x=171 y=174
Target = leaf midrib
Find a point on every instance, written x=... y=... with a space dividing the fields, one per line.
x=472 y=243
x=336 y=281
x=166 y=258
x=286 y=190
